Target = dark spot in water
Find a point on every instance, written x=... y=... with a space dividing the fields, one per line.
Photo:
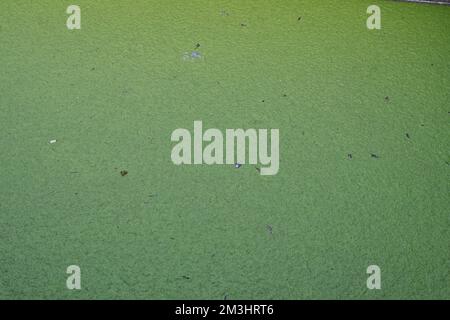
x=285 y=95
x=123 y=173
x=197 y=46
x=258 y=169
x=92 y=69
x=386 y=99
x=299 y=18
x=375 y=156
x=263 y=100
x=422 y=125
x=186 y=277
x=243 y=25
x=269 y=229
x=407 y=135
x=350 y=156
x=237 y=165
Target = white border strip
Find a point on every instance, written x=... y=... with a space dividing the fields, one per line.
x=429 y=2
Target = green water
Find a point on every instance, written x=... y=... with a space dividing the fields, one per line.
x=112 y=93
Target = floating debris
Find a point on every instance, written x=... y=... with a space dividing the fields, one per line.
x=269 y=229
x=123 y=173
x=237 y=165
x=407 y=135
x=196 y=55
x=350 y=156
x=299 y=18
x=373 y=155
x=386 y=99
x=192 y=56
x=52 y=141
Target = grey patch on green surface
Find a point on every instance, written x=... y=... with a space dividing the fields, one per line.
x=192 y=56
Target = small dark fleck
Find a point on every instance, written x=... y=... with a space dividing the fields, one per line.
x=258 y=169
x=197 y=46
x=123 y=173
x=243 y=25
x=92 y=69
x=422 y=125
x=432 y=64
x=74 y=172
x=373 y=155
x=285 y=95
x=186 y=277
x=225 y=297
x=263 y=100
x=237 y=165
x=269 y=229
x=386 y=99
x=299 y=18
x=448 y=163
x=407 y=135
x=350 y=156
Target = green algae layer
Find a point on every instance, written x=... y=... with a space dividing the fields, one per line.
x=363 y=117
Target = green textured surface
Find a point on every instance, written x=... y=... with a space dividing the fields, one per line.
x=112 y=93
